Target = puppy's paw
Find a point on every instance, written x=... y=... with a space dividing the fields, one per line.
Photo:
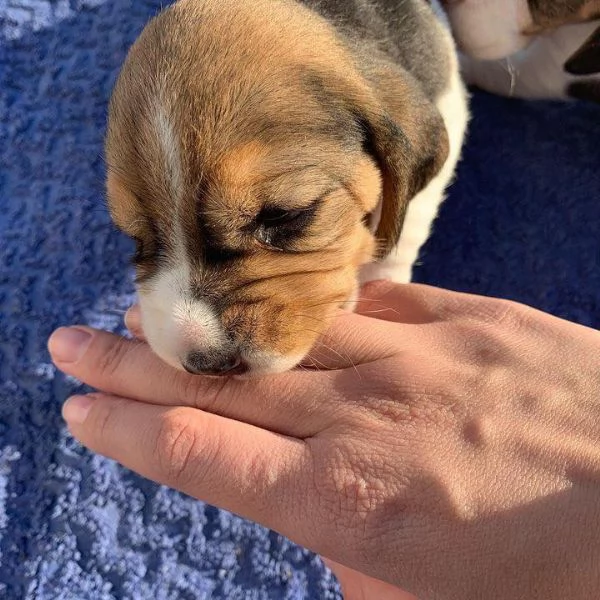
x=585 y=64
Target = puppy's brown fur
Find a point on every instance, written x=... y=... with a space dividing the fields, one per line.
x=273 y=109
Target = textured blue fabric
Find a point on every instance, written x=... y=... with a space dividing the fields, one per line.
x=522 y=222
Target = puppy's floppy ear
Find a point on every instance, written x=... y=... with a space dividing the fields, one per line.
x=405 y=133
x=123 y=205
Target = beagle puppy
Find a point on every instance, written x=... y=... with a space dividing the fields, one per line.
x=529 y=48
x=268 y=157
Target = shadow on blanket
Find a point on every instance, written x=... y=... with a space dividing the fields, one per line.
x=521 y=222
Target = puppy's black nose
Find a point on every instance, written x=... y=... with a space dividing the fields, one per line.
x=214 y=363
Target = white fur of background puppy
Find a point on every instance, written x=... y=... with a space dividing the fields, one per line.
x=529 y=49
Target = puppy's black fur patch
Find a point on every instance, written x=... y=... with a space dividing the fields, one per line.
x=586 y=61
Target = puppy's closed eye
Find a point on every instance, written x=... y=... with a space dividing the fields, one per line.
x=275 y=217
x=278 y=227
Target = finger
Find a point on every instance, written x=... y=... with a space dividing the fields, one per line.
x=386 y=322
x=419 y=304
x=414 y=303
x=133 y=322
x=396 y=318
x=241 y=468
x=353 y=340
x=401 y=303
x=292 y=403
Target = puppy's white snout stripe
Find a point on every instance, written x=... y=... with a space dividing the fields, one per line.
x=176 y=324
x=197 y=323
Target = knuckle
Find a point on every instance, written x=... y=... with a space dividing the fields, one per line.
x=184 y=386
x=509 y=313
x=359 y=495
x=349 y=491
x=176 y=449
x=211 y=396
x=498 y=311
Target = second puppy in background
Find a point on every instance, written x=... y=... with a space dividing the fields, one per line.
x=268 y=157
x=530 y=48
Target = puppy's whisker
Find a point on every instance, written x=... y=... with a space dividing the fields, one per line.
x=320 y=321
x=318 y=304
x=512 y=72
x=318 y=365
x=363 y=299
x=344 y=357
x=381 y=310
x=359 y=299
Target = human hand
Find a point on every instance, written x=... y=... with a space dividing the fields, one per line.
x=453 y=451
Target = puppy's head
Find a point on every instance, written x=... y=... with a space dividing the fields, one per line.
x=246 y=154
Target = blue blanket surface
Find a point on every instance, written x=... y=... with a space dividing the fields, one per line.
x=522 y=221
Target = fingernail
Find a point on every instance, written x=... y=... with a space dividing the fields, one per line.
x=76 y=408
x=67 y=344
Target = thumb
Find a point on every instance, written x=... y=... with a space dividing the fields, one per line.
x=409 y=303
x=380 y=326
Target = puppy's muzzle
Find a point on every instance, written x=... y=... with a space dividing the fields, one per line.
x=213 y=362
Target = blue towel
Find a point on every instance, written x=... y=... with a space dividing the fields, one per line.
x=521 y=222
